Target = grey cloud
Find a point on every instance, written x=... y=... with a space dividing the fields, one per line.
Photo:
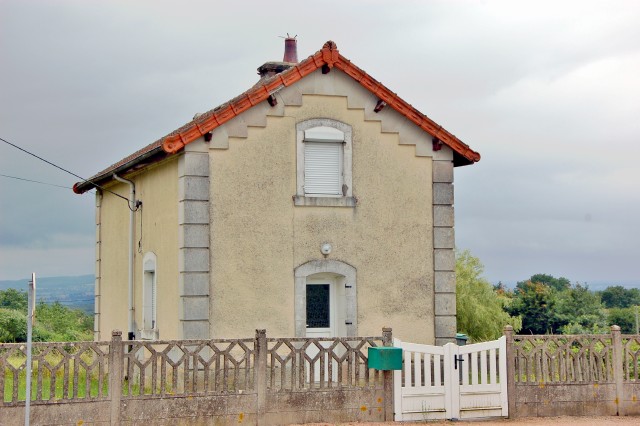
x=547 y=95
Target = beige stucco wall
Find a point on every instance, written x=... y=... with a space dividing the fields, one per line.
x=157 y=187
x=258 y=236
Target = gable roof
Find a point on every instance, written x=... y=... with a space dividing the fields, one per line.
x=326 y=58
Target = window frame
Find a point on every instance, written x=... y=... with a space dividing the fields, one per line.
x=149 y=291
x=346 y=198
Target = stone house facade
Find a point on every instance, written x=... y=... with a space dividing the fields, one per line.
x=317 y=203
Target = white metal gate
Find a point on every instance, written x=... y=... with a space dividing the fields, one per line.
x=451 y=382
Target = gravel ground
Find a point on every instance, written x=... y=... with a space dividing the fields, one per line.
x=563 y=420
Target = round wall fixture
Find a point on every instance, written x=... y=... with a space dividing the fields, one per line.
x=326 y=248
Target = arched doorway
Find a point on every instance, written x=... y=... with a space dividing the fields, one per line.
x=325 y=299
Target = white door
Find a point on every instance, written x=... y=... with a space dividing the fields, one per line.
x=451 y=382
x=321 y=322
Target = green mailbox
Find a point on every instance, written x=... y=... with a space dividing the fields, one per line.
x=385 y=358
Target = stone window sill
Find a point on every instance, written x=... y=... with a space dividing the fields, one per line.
x=300 y=200
x=151 y=334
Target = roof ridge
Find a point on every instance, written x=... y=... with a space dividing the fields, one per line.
x=326 y=58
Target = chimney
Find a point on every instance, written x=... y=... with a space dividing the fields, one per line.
x=290 y=50
x=269 y=69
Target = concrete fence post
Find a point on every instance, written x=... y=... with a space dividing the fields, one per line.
x=260 y=371
x=618 y=370
x=511 y=371
x=116 y=357
x=387 y=340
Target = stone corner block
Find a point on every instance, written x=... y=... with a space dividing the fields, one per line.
x=195 y=330
x=445 y=327
x=443 y=215
x=194 y=164
x=445 y=304
x=195 y=308
x=193 y=212
x=443 y=193
x=443 y=171
x=199 y=146
x=445 y=281
x=444 y=260
x=444 y=238
x=193 y=188
x=194 y=284
x=193 y=260
x=445 y=154
x=193 y=235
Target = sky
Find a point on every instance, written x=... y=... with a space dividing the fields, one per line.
x=548 y=92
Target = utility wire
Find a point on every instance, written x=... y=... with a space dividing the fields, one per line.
x=129 y=202
x=35 y=181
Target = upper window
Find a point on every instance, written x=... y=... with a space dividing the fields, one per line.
x=324 y=163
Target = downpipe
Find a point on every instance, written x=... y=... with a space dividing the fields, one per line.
x=133 y=206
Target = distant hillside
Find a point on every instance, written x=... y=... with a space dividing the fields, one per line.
x=72 y=291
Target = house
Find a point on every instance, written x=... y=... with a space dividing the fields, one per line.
x=316 y=203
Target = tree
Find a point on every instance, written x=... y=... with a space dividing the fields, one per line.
x=480 y=309
x=13 y=328
x=558 y=284
x=620 y=297
x=14 y=299
x=64 y=324
x=581 y=311
x=623 y=317
x=54 y=322
x=535 y=303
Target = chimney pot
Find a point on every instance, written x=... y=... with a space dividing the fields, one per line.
x=290 y=50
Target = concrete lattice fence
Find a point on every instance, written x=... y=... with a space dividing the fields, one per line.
x=76 y=371
x=259 y=381
x=188 y=367
x=573 y=374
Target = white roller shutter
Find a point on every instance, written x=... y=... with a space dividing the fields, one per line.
x=323 y=168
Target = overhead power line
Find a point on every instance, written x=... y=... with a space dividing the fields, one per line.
x=65 y=170
x=35 y=181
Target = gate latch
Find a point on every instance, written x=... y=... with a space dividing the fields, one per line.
x=456 y=360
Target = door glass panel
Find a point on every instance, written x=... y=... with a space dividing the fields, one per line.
x=318 y=306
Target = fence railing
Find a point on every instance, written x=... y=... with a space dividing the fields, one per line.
x=60 y=371
x=119 y=369
x=600 y=373
x=563 y=359
x=188 y=367
x=302 y=363
x=631 y=357
x=589 y=358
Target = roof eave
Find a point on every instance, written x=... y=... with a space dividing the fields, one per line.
x=152 y=156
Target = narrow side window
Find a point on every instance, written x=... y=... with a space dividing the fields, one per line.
x=149 y=297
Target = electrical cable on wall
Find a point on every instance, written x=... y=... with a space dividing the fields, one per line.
x=139 y=207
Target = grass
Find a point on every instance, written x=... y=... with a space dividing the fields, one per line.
x=58 y=386
x=52 y=385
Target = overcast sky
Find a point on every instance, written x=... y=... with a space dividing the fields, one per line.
x=547 y=91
